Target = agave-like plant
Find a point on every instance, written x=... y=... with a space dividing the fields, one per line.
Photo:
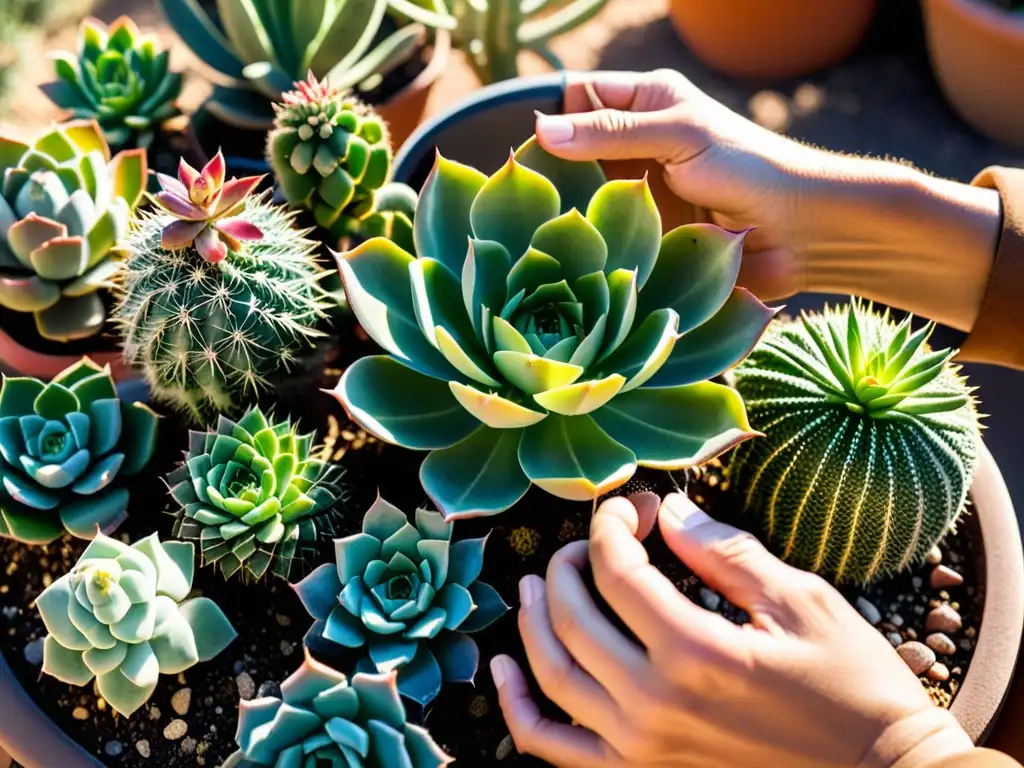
x=562 y=348
x=408 y=595
x=64 y=211
x=64 y=447
x=119 y=78
x=262 y=48
x=121 y=616
x=252 y=495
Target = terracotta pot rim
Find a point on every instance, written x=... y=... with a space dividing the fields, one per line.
x=997 y=21
x=27 y=362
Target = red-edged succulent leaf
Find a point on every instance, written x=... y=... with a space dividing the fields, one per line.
x=240 y=229
x=210 y=246
x=179 y=234
x=172 y=185
x=179 y=207
x=235 y=192
x=187 y=174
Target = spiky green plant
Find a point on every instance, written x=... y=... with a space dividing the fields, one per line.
x=324 y=719
x=872 y=441
x=64 y=447
x=253 y=495
x=559 y=349
x=265 y=47
x=119 y=78
x=120 y=615
x=330 y=154
x=64 y=212
x=220 y=293
x=408 y=595
x=493 y=32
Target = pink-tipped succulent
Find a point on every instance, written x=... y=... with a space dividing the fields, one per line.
x=206 y=210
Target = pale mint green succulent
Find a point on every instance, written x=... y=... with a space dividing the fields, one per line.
x=547 y=333
x=408 y=595
x=262 y=48
x=121 y=616
x=327 y=720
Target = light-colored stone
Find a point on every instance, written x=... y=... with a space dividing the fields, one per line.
x=33 y=652
x=944 y=576
x=113 y=748
x=940 y=643
x=505 y=748
x=709 y=599
x=938 y=672
x=181 y=700
x=943 y=619
x=894 y=638
x=175 y=729
x=918 y=656
x=246 y=686
x=868 y=610
x=934 y=556
x=142 y=747
x=80 y=713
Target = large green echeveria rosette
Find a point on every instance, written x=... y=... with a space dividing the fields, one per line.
x=253 y=495
x=121 y=616
x=547 y=333
x=63 y=448
x=325 y=719
x=407 y=594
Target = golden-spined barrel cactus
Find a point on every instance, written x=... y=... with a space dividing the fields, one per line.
x=871 y=442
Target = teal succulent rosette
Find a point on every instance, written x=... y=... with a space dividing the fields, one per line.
x=64 y=447
x=408 y=595
x=325 y=719
x=547 y=333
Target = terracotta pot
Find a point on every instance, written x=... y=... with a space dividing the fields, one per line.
x=777 y=39
x=404 y=111
x=977 y=52
x=19 y=360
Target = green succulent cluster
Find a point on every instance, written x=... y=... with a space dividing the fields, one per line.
x=325 y=720
x=252 y=495
x=569 y=343
x=64 y=447
x=871 y=442
x=210 y=335
x=262 y=48
x=119 y=78
x=64 y=211
x=407 y=594
x=120 y=616
x=493 y=32
x=330 y=154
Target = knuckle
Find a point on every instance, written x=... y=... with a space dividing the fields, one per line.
x=614 y=122
x=639 y=748
x=740 y=550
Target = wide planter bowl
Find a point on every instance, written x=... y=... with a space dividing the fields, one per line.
x=18 y=360
x=977 y=52
x=770 y=40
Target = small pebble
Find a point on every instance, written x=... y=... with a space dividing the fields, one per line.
x=10 y=611
x=943 y=619
x=944 y=576
x=282 y=620
x=142 y=746
x=897 y=620
x=894 y=638
x=505 y=748
x=934 y=556
x=966 y=645
x=181 y=700
x=239 y=666
x=917 y=582
x=80 y=713
x=246 y=687
x=868 y=610
x=918 y=656
x=34 y=652
x=940 y=643
x=175 y=729
x=286 y=648
x=954 y=557
x=709 y=599
x=188 y=746
x=154 y=712
x=938 y=672
x=268 y=688
x=113 y=748
x=911 y=633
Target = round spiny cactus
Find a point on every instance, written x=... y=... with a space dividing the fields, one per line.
x=871 y=442
x=330 y=153
x=210 y=308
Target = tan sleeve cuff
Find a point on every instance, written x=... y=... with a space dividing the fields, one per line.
x=998 y=333
x=979 y=758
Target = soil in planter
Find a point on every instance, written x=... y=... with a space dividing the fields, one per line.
x=197 y=728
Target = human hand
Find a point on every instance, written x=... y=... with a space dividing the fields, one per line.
x=806 y=684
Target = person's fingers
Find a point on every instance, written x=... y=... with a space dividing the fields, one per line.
x=616 y=662
x=633 y=91
x=612 y=134
x=565 y=746
x=650 y=605
x=561 y=679
x=646 y=505
x=727 y=559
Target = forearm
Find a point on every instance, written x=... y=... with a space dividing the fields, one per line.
x=892 y=234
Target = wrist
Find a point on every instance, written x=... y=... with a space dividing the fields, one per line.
x=918 y=741
x=889 y=233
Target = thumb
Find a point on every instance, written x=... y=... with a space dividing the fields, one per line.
x=612 y=134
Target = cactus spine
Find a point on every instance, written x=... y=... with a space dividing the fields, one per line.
x=871 y=442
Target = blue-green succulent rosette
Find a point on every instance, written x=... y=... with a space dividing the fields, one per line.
x=64 y=448
x=407 y=595
x=548 y=334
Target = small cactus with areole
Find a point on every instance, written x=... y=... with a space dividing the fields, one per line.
x=120 y=78
x=220 y=293
x=330 y=154
x=408 y=595
x=871 y=442
x=252 y=495
x=121 y=616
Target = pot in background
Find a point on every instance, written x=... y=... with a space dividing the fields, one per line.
x=771 y=40
x=18 y=360
x=977 y=53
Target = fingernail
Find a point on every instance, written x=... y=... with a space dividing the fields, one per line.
x=529 y=590
x=682 y=513
x=499 y=671
x=556 y=129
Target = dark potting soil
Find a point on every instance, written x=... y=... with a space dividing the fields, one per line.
x=465 y=720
